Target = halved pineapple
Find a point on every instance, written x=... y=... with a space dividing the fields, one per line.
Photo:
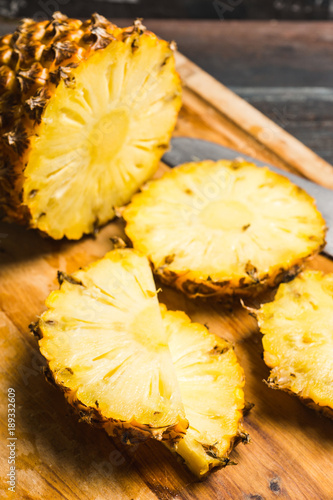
x=224 y=228
x=105 y=345
x=211 y=384
x=298 y=339
x=87 y=112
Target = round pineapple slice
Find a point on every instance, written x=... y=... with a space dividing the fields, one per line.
x=298 y=339
x=87 y=112
x=211 y=384
x=105 y=345
x=224 y=228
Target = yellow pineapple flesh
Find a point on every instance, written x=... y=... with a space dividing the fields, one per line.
x=85 y=123
x=224 y=228
x=297 y=328
x=105 y=344
x=211 y=383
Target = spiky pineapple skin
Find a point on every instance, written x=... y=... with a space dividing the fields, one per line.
x=300 y=293
x=33 y=61
x=196 y=283
x=195 y=288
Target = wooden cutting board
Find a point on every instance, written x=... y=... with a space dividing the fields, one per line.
x=291 y=450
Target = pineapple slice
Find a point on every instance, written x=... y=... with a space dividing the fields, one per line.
x=211 y=384
x=224 y=228
x=298 y=339
x=87 y=111
x=105 y=345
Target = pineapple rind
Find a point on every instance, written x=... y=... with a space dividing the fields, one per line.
x=224 y=228
x=90 y=125
x=211 y=383
x=103 y=339
x=298 y=339
x=37 y=56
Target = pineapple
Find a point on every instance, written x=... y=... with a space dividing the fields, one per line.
x=224 y=228
x=105 y=344
x=130 y=366
x=298 y=339
x=87 y=110
x=211 y=384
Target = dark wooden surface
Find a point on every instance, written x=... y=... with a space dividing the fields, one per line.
x=289 y=457
x=192 y=9
x=284 y=69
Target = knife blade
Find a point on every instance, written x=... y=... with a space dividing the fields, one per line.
x=186 y=149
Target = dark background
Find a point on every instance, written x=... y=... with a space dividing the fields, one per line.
x=191 y=9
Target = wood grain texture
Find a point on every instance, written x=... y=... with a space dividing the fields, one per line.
x=269 y=57
x=248 y=130
x=291 y=451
